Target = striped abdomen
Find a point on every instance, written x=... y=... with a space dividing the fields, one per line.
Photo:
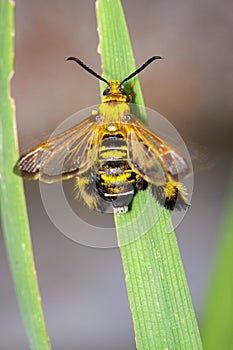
x=115 y=181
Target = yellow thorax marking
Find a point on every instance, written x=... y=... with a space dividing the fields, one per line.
x=115 y=104
x=112 y=113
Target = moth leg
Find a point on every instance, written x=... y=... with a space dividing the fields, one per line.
x=172 y=195
x=141 y=184
x=85 y=188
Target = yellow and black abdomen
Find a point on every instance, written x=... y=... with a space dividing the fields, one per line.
x=115 y=180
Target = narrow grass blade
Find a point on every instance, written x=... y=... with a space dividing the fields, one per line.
x=13 y=209
x=159 y=297
x=217 y=322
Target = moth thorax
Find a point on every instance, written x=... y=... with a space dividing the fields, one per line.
x=111 y=127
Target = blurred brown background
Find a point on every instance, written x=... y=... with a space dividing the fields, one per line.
x=83 y=290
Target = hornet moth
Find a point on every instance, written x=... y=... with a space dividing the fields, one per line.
x=111 y=154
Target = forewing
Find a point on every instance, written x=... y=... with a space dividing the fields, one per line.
x=152 y=155
x=63 y=155
x=143 y=159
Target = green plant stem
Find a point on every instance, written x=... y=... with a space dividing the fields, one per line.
x=13 y=208
x=159 y=297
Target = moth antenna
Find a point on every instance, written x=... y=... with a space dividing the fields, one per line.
x=91 y=71
x=143 y=66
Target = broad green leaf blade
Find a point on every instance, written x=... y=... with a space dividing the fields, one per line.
x=159 y=297
x=217 y=322
x=13 y=208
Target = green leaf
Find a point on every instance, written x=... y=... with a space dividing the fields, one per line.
x=159 y=297
x=13 y=208
x=217 y=322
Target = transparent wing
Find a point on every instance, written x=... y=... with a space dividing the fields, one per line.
x=144 y=160
x=63 y=155
x=151 y=156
